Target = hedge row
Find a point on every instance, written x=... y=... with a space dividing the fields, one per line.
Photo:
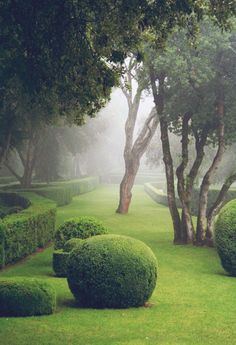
x=160 y=197
x=22 y=233
x=62 y=192
x=140 y=178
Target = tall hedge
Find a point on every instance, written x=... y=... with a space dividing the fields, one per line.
x=22 y=233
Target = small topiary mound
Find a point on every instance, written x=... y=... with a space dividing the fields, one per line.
x=225 y=237
x=26 y=297
x=112 y=272
x=59 y=263
x=71 y=244
x=82 y=228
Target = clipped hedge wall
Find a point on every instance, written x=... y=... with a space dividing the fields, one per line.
x=111 y=271
x=26 y=297
x=63 y=192
x=160 y=196
x=22 y=233
x=225 y=237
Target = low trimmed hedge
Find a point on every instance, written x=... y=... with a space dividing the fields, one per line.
x=160 y=196
x=225 y=237
x=22 y=233
x=112 y=271
x=81 y=227
x=61 y=192
x=26 y=297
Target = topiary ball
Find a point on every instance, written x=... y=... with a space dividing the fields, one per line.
x=82 y=228
x=71 y=244
x=112 y=271
x=26 y=297
x=225 y=237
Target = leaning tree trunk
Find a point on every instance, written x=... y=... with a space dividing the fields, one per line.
x=207 y=180
x=167 y=158
x=134 y=151
x=127 y=185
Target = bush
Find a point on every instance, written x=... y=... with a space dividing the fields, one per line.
x=225 y=237
x=59 y=263
x=82 y=228
x=26 y=297
x=61 y=192
x=23 y=232
x=71 y=244
x=112 y=271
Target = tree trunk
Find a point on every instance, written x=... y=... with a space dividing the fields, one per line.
x=167 y=158
x=126 y=186
x=133 y=152
x=203 y=198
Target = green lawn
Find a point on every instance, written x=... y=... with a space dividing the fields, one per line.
x=194 y=302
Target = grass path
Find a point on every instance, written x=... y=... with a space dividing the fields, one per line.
x=194 y=302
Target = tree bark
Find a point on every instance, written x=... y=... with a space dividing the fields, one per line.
x=207 y=179
x=184 y=195
x=167 y=158
x=133 y=152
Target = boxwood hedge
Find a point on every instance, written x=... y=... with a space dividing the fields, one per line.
x=225 y=237
x=159 y=195
x=80 y=227
x=111 y=271
x=26 y=297
x=62 y=192
x=22 y=233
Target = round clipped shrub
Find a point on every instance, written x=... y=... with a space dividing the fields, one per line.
x=71 y=244
x=225 y=237
x=26 y=297
x=82 y=228
x=59 y=263
x=112 y=271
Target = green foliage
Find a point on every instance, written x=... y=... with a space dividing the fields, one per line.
x=112 y=271
x=82 y=228
x=62 y=192
x=24 y=232
x=71 y=244
x=26 y=297
x=225 y=237
x=59 y=263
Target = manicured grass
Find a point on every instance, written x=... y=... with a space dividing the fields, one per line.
x=194 y=302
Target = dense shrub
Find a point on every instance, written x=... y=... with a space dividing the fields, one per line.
x=59 y=262
x=112 y=271
x=10 y=199
x=22 y=233
x=61 y=195
x=71 y=244
x=82 y=228
x=26 y=297
x=225 y=237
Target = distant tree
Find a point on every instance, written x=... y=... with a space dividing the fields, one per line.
x=134 y=147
